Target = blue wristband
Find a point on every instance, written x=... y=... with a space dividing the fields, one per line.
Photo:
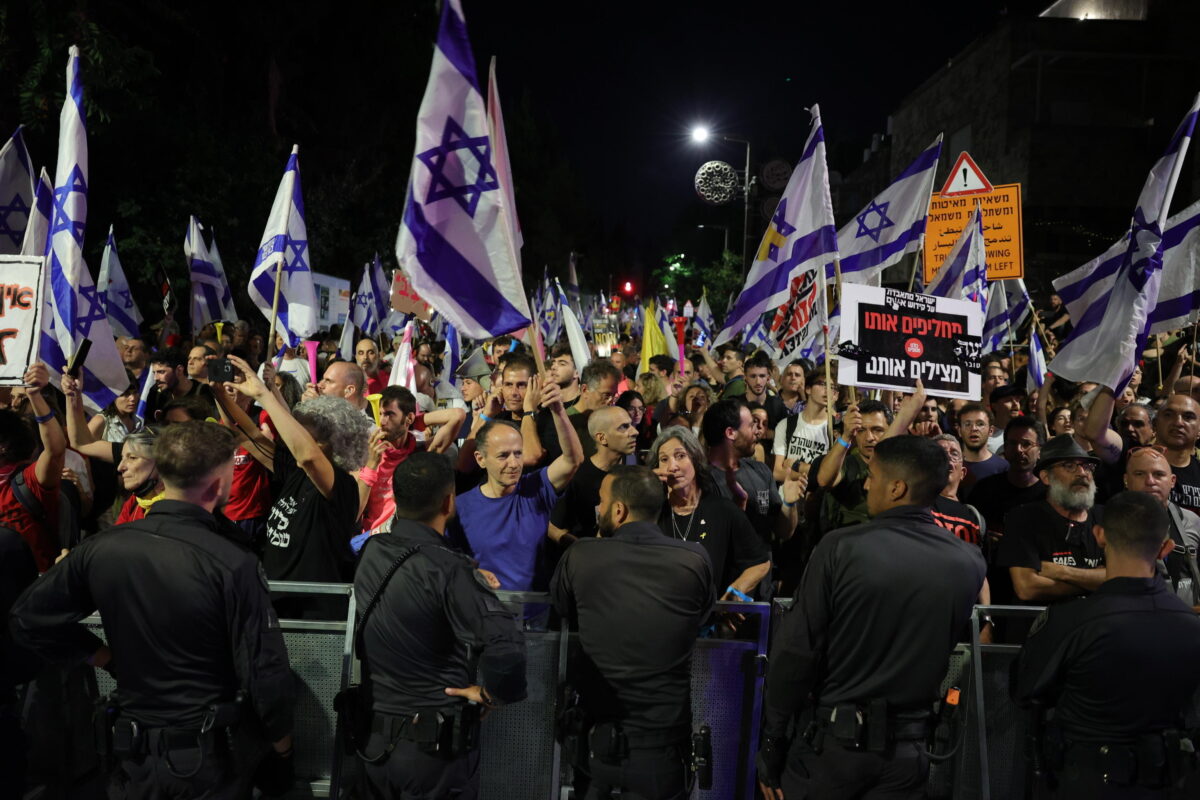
x=43 y=420
x=485 y=418
x=740 y=595
x=843 y=443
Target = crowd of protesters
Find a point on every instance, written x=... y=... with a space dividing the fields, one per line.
x=758 y=459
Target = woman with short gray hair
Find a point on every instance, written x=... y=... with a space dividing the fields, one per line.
x=316 y=505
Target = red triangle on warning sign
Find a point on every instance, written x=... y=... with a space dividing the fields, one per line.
x=965 y=178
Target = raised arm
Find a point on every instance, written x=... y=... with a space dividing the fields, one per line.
x=830 y=474
x=79 y=433
x=54 y=444
x=563 y=468
x=308 y=454
x=909 y=409
x=1097 y=430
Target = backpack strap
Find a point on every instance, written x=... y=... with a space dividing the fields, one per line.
x=361 y=625
x=27 y=499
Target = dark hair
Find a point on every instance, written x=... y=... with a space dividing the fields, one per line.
x=1135 y=523
x=626 y=399
x=875 y=407
x=484 y=433
x=1025 y=423
x=290 y=388
x=517 y=360
x=187 y=453
x=562 y=349
x=738 y=354
x=921 y=463
x=208 y=351
x=638 y=488
x=759 y=360
x=420 y=485
x=16 y=437
x=663 y=362
x=171 y=356
x=975 y=408
x=196 y=408
x=402 y=397
x=721 y=415
x=597 y=371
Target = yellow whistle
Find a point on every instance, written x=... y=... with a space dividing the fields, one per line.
x=374 y=399
x=220 y=327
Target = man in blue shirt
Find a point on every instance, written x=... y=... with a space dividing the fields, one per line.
x=504 y=520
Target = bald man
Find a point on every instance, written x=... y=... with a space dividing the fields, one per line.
x=366 y=354
x=345 y=380
x=1148 y=471
x=615 y=439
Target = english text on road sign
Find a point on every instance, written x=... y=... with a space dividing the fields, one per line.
x=1002 y=233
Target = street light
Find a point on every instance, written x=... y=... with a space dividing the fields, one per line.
x=719 y=227
x=702 y=134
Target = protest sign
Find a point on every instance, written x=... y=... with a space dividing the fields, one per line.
x=897 y=337
x=20 y=315
x=405 y=298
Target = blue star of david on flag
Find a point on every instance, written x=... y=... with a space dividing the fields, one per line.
x=438 y=160
x=62 y=217
x=881 y=224
x=17 y=206
x=296 y=263
x=90 y=310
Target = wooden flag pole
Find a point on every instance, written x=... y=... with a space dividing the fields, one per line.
x=1192 y=352
x=918 y=262
x=275 y=308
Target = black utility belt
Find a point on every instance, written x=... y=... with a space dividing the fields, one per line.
x=1152 y=762
x=869 y=727
x=611 y=741
x=130 y=739
x=449 y=731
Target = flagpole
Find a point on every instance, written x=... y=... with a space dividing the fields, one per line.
x=837 y=273
x=275 y=305
x=828 y=353
x=918 y=262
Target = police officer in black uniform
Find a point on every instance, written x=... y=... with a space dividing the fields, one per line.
x=1119 y=668
x=639 y=599
x=876 y=616
x=428 y=623
x=203 y=681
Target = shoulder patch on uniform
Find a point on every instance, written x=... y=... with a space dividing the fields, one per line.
x=1040 y=622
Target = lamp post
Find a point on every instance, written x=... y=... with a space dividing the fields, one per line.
x=724 y=228
x=701 y=134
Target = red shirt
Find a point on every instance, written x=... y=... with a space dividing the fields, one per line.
x=250 y=495
x=130 y=510
x=377 y=384
x=42 y=539
x=381 y=503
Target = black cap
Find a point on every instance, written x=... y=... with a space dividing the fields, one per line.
x=1062 y=448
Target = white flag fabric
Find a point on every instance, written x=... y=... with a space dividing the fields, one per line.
x=36 y=240
x=404 y=371
x=995 y=323
x=963 y=275
x=1036 y=370
x=456 y=238
x=285 y=241
x=800 y=238
x=78 y=308
x=580 y=352
x=17 y=186
x=214 y=255
x=122 y=312
x=704 y=320
x=1108 y=337
x=212 y=300
x=892 y=224
x=1179 y=296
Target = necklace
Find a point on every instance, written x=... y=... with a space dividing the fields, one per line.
x=675 y=524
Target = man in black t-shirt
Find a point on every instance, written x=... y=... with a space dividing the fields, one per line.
x=615 y=440
x=996 y=495
x=168 y=370
x=1048 y=546
x=959 y=518
x=1177 y=427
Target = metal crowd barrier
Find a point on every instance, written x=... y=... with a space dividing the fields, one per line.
x=520 y=758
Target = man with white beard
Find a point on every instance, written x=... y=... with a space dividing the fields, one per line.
x=1049 y=548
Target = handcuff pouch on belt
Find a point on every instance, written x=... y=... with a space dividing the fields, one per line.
x=120 y=737
x=860 y=728
x=447 y=732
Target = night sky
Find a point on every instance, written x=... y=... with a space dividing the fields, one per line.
x=625 y=82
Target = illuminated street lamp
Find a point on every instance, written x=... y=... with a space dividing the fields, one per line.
x=701 y=134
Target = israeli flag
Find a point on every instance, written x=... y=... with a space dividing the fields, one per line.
x=16 y=193
x=371 y=301
x=892 y=224
x=456 y=239
x=963 y=275
x=1019 y=304
x=211 y=299
x=815 y=351
x=122 y=312
x=452 y=356
x=78 y=308
x=704 y=320
x=995 y=323
x=214 y=256
x=663 y=317
x=38 y=229
x=800 y=237
x=285 y=243
x=1110 y=334
x=1036 y=370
